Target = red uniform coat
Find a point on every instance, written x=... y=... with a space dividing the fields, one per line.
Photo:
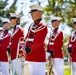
x=72 y=43
x=3 y=46
x=17 y=34
x=35 y=40
x=56 y=44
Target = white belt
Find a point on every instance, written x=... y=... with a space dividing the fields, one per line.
x=30 y=39
x=51 y=43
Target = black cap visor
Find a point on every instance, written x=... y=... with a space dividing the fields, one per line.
x=74 y=22
x=33 y=10
x=12 y=18
x=4 y=23
x=55 y=20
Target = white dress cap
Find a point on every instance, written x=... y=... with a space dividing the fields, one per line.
x=13 y=15
x=39 y=8
x=55 y=18
x=5 y=20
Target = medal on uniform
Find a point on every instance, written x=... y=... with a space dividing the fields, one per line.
x=36 y=28
x=54 y=35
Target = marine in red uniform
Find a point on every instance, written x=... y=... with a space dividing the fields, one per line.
x=55 y=46
x=5 y=40
x=17 y=34
x=72 y=47
x=35 y=42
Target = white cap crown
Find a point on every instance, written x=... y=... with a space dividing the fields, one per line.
x=12 y=14
x=36 y=8
x=55 y=18
x=15 y=15
x=5 y=20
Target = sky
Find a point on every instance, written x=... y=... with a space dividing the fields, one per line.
x=23 y=5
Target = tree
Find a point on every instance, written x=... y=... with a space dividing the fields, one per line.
x=5 y=13
x=65 y=9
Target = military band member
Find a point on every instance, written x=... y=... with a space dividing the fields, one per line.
x=72 y=47
x=35 y=42
x=55 y=46
x=3 y=46
x=17 y=34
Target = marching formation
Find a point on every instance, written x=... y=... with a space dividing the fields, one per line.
x=15 y=48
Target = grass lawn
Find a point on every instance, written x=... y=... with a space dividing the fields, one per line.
x=66 y=72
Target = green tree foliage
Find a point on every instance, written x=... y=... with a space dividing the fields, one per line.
x=63 y=8
x=2 y=6
x=5 y=13
x=66 y=39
